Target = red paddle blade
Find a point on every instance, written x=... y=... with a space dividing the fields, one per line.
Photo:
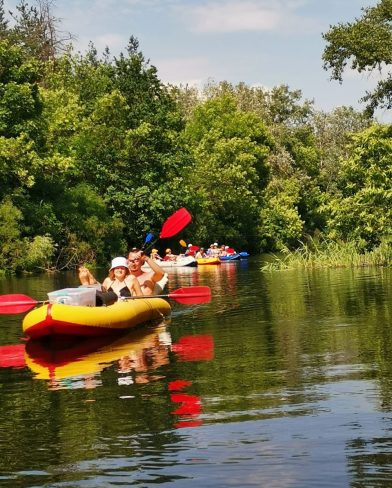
x=175 y=223
x=192 y=295
x=16 y=303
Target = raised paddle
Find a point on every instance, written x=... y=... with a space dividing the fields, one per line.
x=149 y=238
x=191 y=248
x=192 y=295
x=172 y=226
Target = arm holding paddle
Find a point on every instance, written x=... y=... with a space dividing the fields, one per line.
x=147 y=279
x=158 y=271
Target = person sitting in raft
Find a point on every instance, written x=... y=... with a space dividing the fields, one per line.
x=200 y=253
x=155 y=255
x=229 y=251
x=190 y=251
x=120 y=281
x=213 y=251
x=169 y=256
x=152 y=282
x=223 y=250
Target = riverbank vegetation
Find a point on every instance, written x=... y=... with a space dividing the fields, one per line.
x=330 y=254
x=95 y=152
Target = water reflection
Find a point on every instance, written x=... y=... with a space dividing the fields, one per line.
x=12 y=356
x=71 y=362
x=286 y=375
x=74 y=363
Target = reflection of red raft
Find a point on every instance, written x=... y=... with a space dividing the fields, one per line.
x=68 y=356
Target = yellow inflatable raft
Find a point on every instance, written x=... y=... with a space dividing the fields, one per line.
x=203 y=261
x=61 y=319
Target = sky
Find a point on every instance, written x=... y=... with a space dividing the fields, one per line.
x=259 y=42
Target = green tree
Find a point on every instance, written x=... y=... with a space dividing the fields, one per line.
x=230 y=150
x=21 y=125
x=20 y=103
x=364 y=45
x=281 y=225
x=129 y=147
x=363 y=210
x=332 y=136
x=12 y=248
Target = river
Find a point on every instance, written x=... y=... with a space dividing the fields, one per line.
x=282 y=380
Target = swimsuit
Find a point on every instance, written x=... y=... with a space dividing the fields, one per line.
x=123 y=292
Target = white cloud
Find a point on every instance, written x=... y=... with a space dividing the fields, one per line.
x=184 y=70
x=222 y=16
x=115 y=42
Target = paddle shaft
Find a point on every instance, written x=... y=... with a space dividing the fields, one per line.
x=14 y=304
x=173 y=295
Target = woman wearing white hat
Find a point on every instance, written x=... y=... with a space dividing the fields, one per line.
x=119 y=281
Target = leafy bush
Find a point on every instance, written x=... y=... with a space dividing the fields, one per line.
x=38 y=253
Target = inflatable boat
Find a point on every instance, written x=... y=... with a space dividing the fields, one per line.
x=180 y=262
x=244 y=254
x=230 y=257
x=89 y=321
x=204 y=261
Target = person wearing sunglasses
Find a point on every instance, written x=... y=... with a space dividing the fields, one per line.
x=151 y=281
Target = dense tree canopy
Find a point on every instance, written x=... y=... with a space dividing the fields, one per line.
x=95 y=152
x=230 y=150
x=362 y=212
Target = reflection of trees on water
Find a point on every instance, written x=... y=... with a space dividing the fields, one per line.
x=297 y=329
x=286 y=346
x=369 y=460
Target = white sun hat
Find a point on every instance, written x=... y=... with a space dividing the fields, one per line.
x=117 y=262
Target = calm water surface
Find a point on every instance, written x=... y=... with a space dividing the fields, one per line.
x=283 y=380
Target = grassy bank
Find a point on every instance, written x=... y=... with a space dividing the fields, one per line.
x=330 y=255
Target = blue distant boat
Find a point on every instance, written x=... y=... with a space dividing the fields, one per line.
x=230 y=257
x=244 y=255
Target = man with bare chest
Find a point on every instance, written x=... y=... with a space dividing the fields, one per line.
x=147 y=279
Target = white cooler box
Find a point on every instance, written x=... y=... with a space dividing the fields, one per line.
x=74 y=296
